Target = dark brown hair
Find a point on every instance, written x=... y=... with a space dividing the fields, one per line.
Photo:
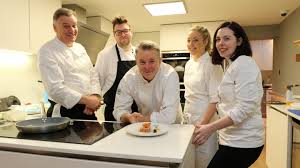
x=239 y=33
x=119 y=20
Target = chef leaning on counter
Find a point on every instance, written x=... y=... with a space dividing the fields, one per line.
x=113 y=62
x=153 y=85
x=67 y=72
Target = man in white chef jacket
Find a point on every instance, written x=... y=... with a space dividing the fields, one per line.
x=67 y=72
x=153 y=85
x=113 y=62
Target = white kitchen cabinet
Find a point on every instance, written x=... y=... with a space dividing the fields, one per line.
x=120 y=149
x=174 y=37
x=210 y=26
x=14 y=31
x=26 y=24
x=8 y=159
x=278 y=131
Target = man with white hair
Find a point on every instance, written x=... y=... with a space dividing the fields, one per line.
x=153 y=85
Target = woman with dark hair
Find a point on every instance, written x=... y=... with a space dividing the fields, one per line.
x=240 y=127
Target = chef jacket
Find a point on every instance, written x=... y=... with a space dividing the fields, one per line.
x=159 y=97
x=106 y=65
x=201 y=80
x=67 y=72
x=240 y=94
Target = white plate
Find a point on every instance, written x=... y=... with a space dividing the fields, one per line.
x=134 y=128
x=297 y=96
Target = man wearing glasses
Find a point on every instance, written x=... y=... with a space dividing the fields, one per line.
x=113 y=62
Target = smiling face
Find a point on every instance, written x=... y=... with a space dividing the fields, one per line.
x=226 y=42
x=123 y=34
x=148 y=62
x=196 y=44
x=66 y=29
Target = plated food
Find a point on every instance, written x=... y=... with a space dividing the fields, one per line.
x=147 y=129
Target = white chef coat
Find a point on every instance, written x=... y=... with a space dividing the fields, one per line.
x=159 y=97
x=107 y=63
x=67 y=72
x=201 y=80
x=240 y=95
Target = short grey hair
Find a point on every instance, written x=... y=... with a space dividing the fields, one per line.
x=147 y=45
x=62 y=12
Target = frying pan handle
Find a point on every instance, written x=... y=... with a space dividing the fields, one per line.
x=43 y=111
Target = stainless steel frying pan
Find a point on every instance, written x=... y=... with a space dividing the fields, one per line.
x=43 y=125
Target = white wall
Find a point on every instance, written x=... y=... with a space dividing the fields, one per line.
x=19 y=77
x=173 y=36
x=140 y=36
x=286 y=69
x=137 y=37
x=262 y=51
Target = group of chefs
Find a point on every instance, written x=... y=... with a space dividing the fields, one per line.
x=223 y=86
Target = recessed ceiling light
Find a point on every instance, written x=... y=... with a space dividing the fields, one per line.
x=168 y=8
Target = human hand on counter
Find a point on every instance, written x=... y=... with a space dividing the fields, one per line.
x=202 y=133
x=143 y=118
x=135 y=117
x=131 y=118
x=91 y=102
x=88 y=111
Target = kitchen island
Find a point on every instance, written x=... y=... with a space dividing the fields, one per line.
x=279 y=136
x=119 y=149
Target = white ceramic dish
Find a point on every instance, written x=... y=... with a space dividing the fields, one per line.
x=295 y=106
x=134 y=129
x=297 y=96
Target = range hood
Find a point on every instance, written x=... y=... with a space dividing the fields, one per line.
x=93 y=40
x=91 y=37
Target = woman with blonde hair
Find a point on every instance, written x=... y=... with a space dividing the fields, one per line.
x=201 y=79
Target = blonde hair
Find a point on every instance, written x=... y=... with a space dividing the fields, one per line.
x=205 y=35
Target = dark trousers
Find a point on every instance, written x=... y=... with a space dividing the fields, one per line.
x=75 y=112
x=230 y=157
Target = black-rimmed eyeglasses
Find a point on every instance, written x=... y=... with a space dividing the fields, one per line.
x=119 y=32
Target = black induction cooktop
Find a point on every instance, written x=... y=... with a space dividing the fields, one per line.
x=79 y=132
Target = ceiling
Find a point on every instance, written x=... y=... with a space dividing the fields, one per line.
x=246 y=12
